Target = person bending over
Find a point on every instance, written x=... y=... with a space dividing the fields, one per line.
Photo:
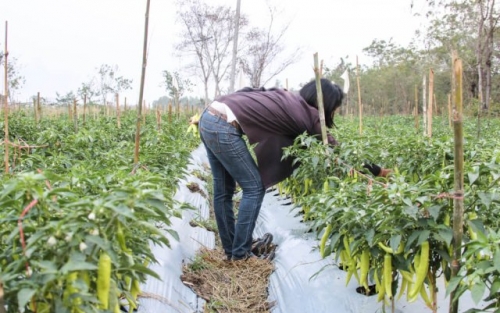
x=271 y=120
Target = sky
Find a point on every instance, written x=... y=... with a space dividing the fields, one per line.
x=60 y=44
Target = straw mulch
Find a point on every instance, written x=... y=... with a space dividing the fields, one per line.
x=229 y=286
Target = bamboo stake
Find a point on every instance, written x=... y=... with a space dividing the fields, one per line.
x=416 y=108
x=125 y=104
x=75 y=116
x=458 y=201
x=436 y=111
x=359 y=99
x=429 y=108
x=118 y=122
x=449 y=110
x=415 y=113
x=141 y=93
x=319 y=95
x=424 y=105
x=170 y=112
x=6 y=105
x=84 y=108
x=144 y=109
x=158 y=117
x=35 y=111
x=38 y=106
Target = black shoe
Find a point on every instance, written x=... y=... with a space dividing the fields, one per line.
x=260 y=246
x=268 y=241
x=270 y=254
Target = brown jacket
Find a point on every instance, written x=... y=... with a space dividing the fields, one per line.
x=273 y=119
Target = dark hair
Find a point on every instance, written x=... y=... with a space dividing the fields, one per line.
x=332 y=97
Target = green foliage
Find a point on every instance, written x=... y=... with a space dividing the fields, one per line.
x=176 y=86
x=110 y=82
x=90 y=197
x=411 y=206
x=198 y=263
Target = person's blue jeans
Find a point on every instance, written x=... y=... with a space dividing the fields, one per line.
x=232 y=162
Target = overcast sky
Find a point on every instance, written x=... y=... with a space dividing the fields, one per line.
x=59 y=44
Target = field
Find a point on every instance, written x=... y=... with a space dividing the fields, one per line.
x=79 y=217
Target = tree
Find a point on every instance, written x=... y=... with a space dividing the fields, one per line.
x=110 y=82
x=467 y=26
x=14 y=77
x=207 y=34
x=65 y=100
x=88 y=90
x=264 y=46
x=175 y=85
x=487 y=25
x=234 y=56
x=399 y=70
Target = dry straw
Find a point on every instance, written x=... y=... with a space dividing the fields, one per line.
x=229 y=286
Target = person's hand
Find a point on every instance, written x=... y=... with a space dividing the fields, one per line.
x=384 y=172
x=194 y=120
x=193 y=125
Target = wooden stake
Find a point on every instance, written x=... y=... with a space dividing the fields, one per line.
x=431 y=98
x=424 y=105
x=436 y=111
x=449 y=110
x=319 y=92
x=6 y=105
x=359 y=99
x=118 y=122
x=38 y=106
x=35 y=111
x=170 y=112
x=141 y=93
x=415 y=112
x=458 y=199
x=416 y=108
x=158 y=118
x=75 y=116
x=84 y=108
x=144 y=109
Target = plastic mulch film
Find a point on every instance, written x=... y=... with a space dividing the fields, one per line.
x=301 y=283
x=170 y=294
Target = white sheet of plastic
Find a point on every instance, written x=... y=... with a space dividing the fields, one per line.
x=170 y=294
x=291 y=286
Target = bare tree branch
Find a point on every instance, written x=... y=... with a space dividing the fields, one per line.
x=263 y=59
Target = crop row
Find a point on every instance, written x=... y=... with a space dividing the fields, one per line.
x=397 y=232
x=78 y=216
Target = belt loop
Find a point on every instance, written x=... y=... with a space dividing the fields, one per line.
x=214 y=112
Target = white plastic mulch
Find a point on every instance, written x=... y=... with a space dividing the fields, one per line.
x=297 y=260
